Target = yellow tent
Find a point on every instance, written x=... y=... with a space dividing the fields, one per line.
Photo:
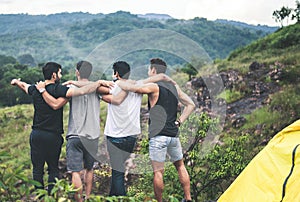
x=273 y=175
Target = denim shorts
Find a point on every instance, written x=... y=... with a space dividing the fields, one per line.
x=80 y=156
x=160 y=146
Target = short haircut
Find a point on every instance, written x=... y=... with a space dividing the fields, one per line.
x=84 y=68
x=122 y=68
x=49 y=68
x=159 y=65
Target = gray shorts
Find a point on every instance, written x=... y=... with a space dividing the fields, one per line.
x=160 y=146
x=79 y=155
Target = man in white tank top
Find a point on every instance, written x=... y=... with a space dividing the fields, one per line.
x=121 y=128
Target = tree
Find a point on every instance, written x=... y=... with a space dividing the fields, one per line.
x=282 y=14
x=296 y=14
x=26 y=59
x=190 y=70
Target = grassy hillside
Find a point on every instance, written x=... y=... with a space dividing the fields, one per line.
x=277 y=72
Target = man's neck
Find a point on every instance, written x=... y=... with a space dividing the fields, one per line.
x=49 y=82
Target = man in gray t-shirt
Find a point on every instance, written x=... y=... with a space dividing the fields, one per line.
x=83 y=131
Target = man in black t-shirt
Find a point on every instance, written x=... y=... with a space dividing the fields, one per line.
x=47 y=128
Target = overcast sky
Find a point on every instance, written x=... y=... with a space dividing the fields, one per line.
x=249 y=11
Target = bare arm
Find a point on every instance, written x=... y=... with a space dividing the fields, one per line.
x=89 y=88
x=21 y=84
x=158 y=77
x=138 y=88
x=116 y=96
x=54 y=103
x=101 y=89
x=77 y=83
x=188 y=103
x=115 y=99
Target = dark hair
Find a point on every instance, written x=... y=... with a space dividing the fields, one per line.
x=84 y=68
x=159 y=65
x=49 y=68
x=122 y=68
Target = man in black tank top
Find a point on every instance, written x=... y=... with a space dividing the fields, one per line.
x=163 y=100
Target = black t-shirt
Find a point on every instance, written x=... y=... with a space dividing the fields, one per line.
x=46 y=118
x=164 y=113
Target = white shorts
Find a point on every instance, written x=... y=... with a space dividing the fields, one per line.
x=160 y=146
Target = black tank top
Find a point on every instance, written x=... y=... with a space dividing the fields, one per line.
x=164 y=113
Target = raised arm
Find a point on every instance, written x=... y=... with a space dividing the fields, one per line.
x=21 y=84
x=188 y=103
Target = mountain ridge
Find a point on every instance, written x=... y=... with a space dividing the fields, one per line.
x=41 y=35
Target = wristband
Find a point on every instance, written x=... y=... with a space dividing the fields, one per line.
x=177 y=123
x=42 y=90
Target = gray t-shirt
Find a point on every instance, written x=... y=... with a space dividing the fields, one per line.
x=84 y=116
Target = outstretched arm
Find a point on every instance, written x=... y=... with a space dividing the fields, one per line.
x=188 y=103
x=21 y=84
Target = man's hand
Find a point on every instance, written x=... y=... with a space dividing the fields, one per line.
x=15 y=81
x=40 y=85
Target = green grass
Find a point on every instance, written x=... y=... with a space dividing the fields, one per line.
x=261 y=116
x=230 y=95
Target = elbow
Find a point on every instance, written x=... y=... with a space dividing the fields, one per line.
x=193 y=106
x=116 y=102
x=56 y=107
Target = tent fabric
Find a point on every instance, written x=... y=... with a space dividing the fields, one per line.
x=273 y=175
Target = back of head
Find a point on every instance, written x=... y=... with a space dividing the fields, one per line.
x=122 y=68
x=84 y=68
x=159 y=65
x=49 y=68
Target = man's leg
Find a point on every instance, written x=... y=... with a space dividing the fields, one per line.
x=52 y=147
x=88 y=177
x=90 y=148
x=37 y=158
x=74 y=164
x=158 y=183
x=76 y=181
x=184 y=178
x=119 y=150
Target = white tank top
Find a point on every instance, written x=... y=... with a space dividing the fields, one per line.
x=124 y=120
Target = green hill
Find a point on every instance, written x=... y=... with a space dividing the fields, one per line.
x=67 y=37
